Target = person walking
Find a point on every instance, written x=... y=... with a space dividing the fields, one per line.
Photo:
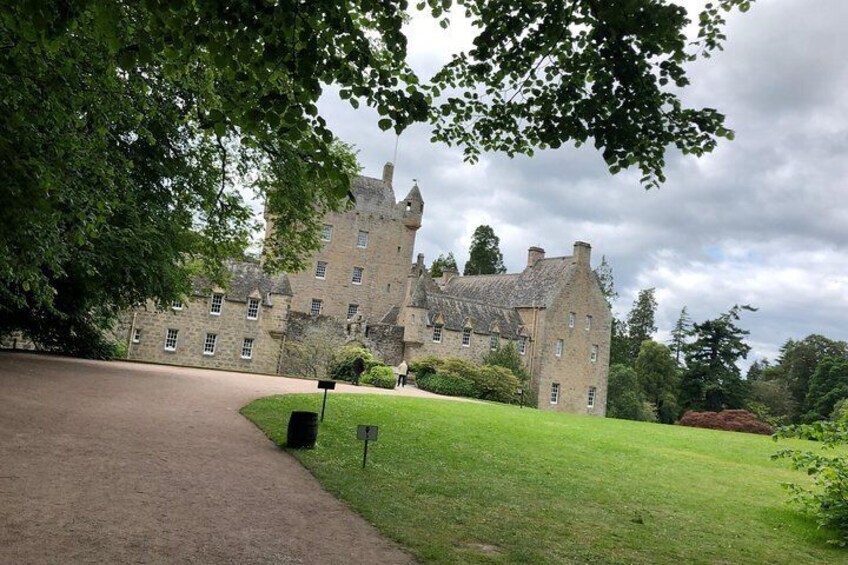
x=358 y=368
x=403 y=371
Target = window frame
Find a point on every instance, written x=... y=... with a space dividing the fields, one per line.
x=176 y=305
x=522 y=345
x=217 y=299
x=176 y=332
x=327 y=232
x=206 y=350
x=251 y=301
x=362 y=242
x=593 y=354
x=355 y=308
x=588 y=323
x=244 y=346
x=572 y=319
x=555 y=393
x=494 y=341
x=438 y=331
x=321 y=270
x=592 y=396
x=312 y=304
x=361 y=271
x=136 y=337
x=466 y=337
x=560 y=345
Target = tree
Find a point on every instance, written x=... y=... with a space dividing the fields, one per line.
x=712 y=380
x=640 y=321
x=603 y=273
x=127 y=128
x=799 y=360
x=679 y=333
x=484 y=255
x=442 y=264
x=657 y=373
x=624 y=397
x=771 y=401
x=828 y=386
x=507 y=356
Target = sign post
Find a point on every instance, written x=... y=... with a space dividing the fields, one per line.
x=366 y=433
x=325 y=385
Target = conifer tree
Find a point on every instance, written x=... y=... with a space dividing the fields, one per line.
x=442 y=264
x=484 y=255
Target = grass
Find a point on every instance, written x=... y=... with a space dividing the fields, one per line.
x=460 y=482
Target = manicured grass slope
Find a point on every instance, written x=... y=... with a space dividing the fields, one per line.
x=459 y=482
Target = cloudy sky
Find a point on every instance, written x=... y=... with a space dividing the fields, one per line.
x=763 y=220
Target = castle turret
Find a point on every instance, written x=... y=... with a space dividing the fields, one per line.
x=415 y=313
x=413 y=208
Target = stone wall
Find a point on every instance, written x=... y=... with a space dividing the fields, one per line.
x=310 y=343
x=194 y=321
x=385 y=341
x=573 y=370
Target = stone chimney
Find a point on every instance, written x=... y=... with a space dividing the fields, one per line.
x=582 y=253
x=534 y=254
x=388 y=173
x=448 y=274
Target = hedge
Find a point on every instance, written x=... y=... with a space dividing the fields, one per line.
x=341 y=366
x=458 y=377
x=380 y=376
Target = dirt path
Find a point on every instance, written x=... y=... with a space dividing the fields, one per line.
x=130 y=463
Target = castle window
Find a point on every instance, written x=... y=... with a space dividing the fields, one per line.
x=217 y=302
x=522 y=345
x=315 y=307
x=252 y=308
x=494 y=341
x=408 y=206
x=572 y=317
x=466 y=337
x=136 y=335
x=389 y=287
x=362 y=239
x=437 y=334
x=321 y=270
x=352 y=310
x=357 y=275
x=558 y=350
x=247 y=348
x=591 y=400
x=209 y=344
x=177 y=305
x=171 y=339
x=327 y=232
x=588 y=323
x=593 y=357
x=554 y=393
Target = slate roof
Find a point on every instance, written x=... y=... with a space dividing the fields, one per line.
x=456 y=311
x=371 y=192
x=245 y=277
x=535 y=286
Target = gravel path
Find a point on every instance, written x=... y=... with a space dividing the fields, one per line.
x=130 y=463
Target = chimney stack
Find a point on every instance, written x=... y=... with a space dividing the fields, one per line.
x=534 y=254
x=582 y=253
x=388 y=173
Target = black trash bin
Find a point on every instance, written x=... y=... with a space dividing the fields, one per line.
x=303 y=430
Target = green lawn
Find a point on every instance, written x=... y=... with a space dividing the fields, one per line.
x=459 y=482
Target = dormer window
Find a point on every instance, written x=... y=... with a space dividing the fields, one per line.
x=252 y=308
x=494 y=341
x=466 y=337
x=437 y=334
x=215 y=306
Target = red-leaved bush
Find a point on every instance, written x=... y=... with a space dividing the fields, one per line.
x=728 y=420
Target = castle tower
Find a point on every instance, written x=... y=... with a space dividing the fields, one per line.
x=413 y=208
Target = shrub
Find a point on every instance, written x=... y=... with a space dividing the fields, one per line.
x=341 y=365
x=424 y=367
x=828 y=500
x=728 y=420
x=495 y=383
x=507 y=356
x=449 y=384
x=379 y=376
x=458 y=377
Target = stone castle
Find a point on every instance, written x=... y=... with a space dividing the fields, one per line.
x=364 y=286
